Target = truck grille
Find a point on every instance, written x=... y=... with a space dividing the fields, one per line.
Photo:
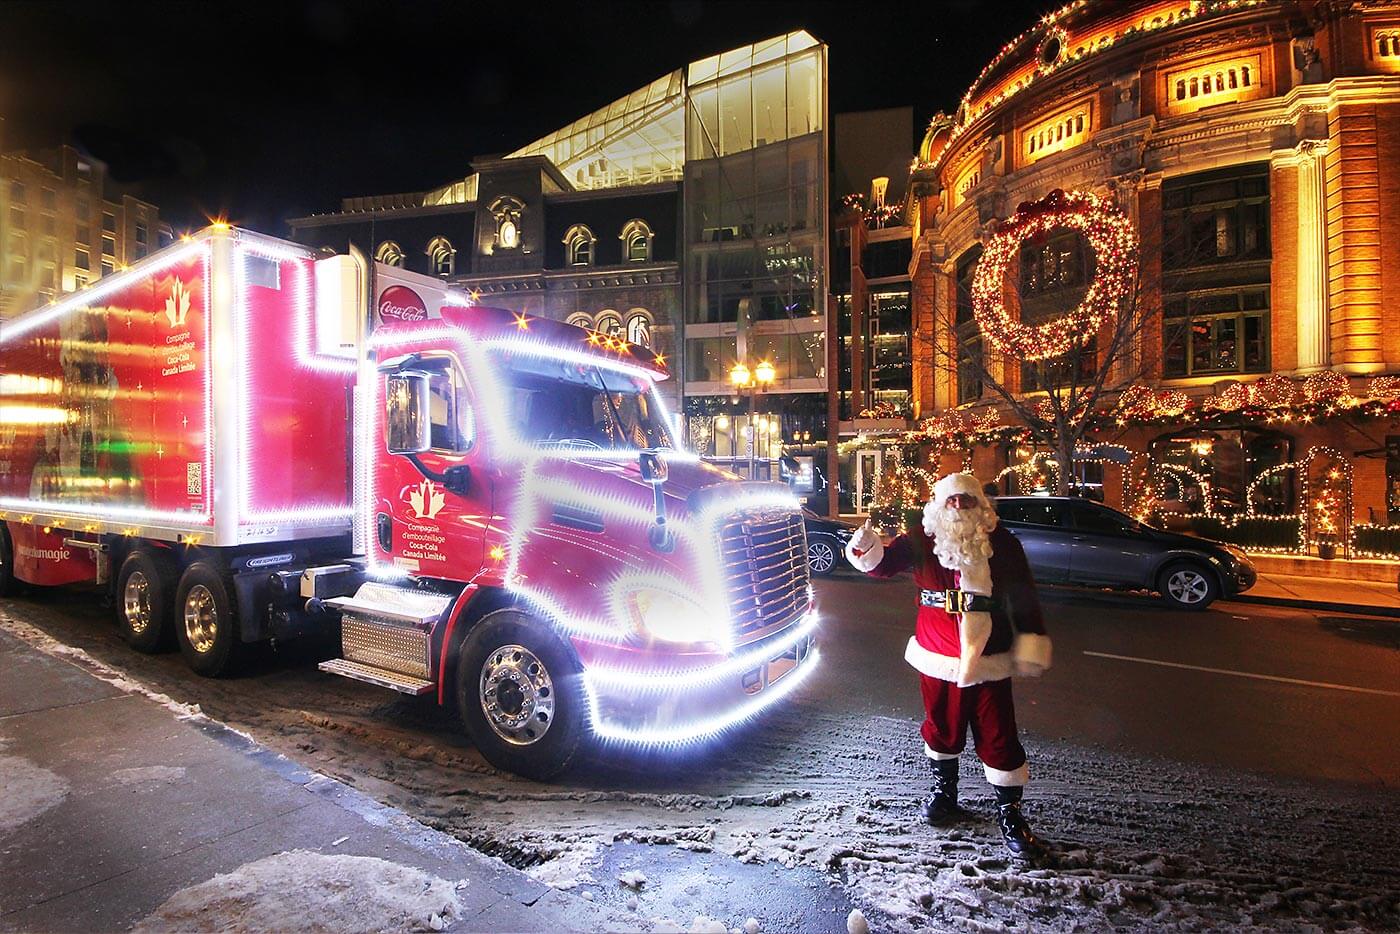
x=764 y=557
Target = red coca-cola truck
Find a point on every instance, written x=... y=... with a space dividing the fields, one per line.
x=242 y=440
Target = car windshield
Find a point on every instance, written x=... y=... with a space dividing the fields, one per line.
x=559 y=403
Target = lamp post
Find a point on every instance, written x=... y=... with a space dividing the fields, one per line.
x=755 y=381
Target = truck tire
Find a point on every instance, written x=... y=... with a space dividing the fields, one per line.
x=145 y=600
x=1186 y=585
x=8 y=584
x=520 y=695
x=206 y=624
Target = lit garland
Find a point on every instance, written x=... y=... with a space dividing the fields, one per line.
x=1109 y=234
x=1383 y=387
x=1327 y=386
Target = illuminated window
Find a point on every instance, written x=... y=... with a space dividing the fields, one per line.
x=1061 y=132
x=442 y=257
x=390 y=254
x=580 y=320
x=639 y=328
x=507 y=211
x=636 y=241
x=578 y=245
x=1235 y=79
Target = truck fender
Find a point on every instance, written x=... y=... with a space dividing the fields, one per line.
x=469 y=608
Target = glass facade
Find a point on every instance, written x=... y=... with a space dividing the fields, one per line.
x=755 y=214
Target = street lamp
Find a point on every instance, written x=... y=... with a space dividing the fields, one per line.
x=755 y=381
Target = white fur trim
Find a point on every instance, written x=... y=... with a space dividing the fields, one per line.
x=1031 y=651
x=1013 y=778
x=945 y=667
x=868 y=561
x=939 y=756
x=954 y=484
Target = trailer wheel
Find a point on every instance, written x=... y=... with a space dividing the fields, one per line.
x=145 y=600
x=7 y=566
x=520 y=695
x=205 y=622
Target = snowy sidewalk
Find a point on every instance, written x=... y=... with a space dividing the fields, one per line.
x=118 y=811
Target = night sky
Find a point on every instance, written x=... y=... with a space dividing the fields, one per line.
x=261 y=112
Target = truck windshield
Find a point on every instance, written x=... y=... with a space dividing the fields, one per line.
x=562 y=404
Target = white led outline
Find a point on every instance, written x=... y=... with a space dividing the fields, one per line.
x=698 y=730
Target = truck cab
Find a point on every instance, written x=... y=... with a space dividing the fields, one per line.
x=543 y=553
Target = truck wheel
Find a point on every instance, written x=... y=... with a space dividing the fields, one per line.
x=8 y=585
x=145 y=592
x=205 y=622
x=1188 y=586
x=520 y=695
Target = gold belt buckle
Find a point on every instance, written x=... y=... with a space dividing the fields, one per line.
x=953 y=601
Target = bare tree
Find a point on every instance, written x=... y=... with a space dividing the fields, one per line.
x=1054 y=398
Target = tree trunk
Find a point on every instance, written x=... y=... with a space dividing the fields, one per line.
x=1064 y=453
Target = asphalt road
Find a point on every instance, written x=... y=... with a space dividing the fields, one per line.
x=1298 y=693
x=1245 y=795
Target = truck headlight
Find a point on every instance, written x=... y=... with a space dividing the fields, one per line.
x=661 y=615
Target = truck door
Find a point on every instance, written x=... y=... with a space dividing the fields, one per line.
x=435 y=504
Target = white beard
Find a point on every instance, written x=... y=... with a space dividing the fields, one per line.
x=961 y=537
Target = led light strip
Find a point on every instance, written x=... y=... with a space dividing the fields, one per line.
x=634 y=679
x=700 y=729
x=87 y=298
x=305 y=356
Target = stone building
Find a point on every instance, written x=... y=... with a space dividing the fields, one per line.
x=63 y=225
x=1256 y=148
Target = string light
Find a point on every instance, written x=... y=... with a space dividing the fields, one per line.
x=1109 y=234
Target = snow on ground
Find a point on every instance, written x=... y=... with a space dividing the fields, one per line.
x=570 y=868
x=302 y=891
x=1138 y=843
x=26 y=791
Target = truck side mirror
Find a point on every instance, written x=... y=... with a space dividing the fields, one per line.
x=407 y=426
x=654 y=469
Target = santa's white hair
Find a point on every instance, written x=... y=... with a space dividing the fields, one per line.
x=960 y=536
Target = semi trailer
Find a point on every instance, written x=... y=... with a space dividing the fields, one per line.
x=243 y=440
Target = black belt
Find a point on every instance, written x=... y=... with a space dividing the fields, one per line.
x=958 y=601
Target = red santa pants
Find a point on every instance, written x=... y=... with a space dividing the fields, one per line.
x=988 y=709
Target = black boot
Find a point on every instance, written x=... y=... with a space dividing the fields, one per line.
x=1014 y=829
x=941 y=807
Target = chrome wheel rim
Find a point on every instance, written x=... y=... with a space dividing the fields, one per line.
x=1188 y=586
x=201 y=618
x=136 y=602
x=517 y=695
x=821 y=557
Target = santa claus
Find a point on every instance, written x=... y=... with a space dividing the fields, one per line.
x=978 y=623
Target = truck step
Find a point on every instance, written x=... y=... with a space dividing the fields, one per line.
x=404 y=684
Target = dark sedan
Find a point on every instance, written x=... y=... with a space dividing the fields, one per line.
x=1075 y=541
x=826 y=542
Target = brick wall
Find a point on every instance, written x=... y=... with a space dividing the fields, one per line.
x=1283 y=274
x=1354 y=238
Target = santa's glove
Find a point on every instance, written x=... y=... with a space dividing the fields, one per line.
x=1031 y=653
x=865 y=550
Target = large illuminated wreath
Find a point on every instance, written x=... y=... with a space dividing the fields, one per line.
x=1109 y=234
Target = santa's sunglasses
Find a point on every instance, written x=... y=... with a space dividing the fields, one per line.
x=961 y=501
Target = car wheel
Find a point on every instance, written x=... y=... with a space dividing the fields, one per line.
x=145 y=593
x=821 y=557
x=1188 y=586
x=520 y=695
x=205 y=622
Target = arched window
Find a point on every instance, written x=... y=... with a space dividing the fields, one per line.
x=636 y=241
x=441 y=257
x=389 y=253
x=580 y=320
x=609 y=324
x=578 y=245
x=639 y=328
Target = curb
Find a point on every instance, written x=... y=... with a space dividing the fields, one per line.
x=1362 y=609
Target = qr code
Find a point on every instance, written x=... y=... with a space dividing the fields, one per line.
x=194 y=478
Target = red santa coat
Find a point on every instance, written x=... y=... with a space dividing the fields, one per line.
x=1018 y=643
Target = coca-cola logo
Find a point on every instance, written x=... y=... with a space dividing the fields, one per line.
x=400 y=303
